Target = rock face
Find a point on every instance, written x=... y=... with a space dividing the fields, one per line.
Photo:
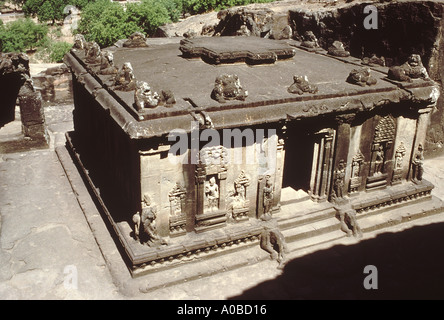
x=259 y=22
x=404 y=28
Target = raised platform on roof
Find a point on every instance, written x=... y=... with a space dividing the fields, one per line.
x=165 y=67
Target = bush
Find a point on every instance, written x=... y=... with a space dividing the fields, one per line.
x=50 y=10
x=57 y=50
x=201 y=6
x=22 y=35
x=148 y=15
x=106 y=22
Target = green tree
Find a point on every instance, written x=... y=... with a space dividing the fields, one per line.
x=148 y=15
x=106 y=22
x=49 y=10
x=22 y=35
x=57 y=50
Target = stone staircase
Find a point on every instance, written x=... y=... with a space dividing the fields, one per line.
x=322 y=224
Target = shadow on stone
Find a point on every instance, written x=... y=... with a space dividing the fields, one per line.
x=409 y=266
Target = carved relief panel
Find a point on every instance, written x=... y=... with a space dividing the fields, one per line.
x=383 y=139
x=177 y=210
x=356 y=179
x=239 y=204
x=211 y=175
x=399 y=160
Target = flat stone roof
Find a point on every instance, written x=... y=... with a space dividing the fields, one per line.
x=192 y=79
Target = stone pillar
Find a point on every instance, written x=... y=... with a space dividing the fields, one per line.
x=342 y=147
x=279 y=175
x=16 y=83
x=200 y=189
x=420 y=136
x=322 y=165
x=31 y=112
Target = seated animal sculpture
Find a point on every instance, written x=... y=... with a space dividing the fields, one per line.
x=136 y=40
x=79 y=42
x=411 y=69
x=93 y=53
x=107 y=64
x=228 y=87
x=301 y=85
x=125 y=79
x=337 y=49
x=361 y=77
x=144 y=97
x=373 y=61
x=309 y=40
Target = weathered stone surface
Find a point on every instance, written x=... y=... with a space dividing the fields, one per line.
x=245 y=21
x=54 y=84
x=404 y=28
x=17 y=86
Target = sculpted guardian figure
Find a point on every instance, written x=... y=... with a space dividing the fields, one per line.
x=145 y=224
x=411 y=69
x=228 y=87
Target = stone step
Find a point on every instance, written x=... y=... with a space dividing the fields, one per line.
x=312 y=229
x=416 y=210
x=287 y=221
x=327 y=228
x=328 y=237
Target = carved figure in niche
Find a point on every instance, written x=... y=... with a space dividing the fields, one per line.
x=238 y=197
x=268 y=192
x=93 y=54
x=418 y=164
x=273 y=241
x=373 y=61
x=301 y=85
x=228 y=87
x=338 y=185
x=347 y=219
x=125 y=79
x=361 y=77
x=135 y=40
x=145 y=224
x=356 y=168
x=144 y=97
x=176 y=195
x=412 y=69
x=309 y=40
x=356 y=179
x=212 y=194
x=107 y=64
x=399 y=155
x=379 y=160
x=337 y=49
x=214 y=156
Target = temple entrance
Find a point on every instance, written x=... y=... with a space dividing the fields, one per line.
x=298 y=158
